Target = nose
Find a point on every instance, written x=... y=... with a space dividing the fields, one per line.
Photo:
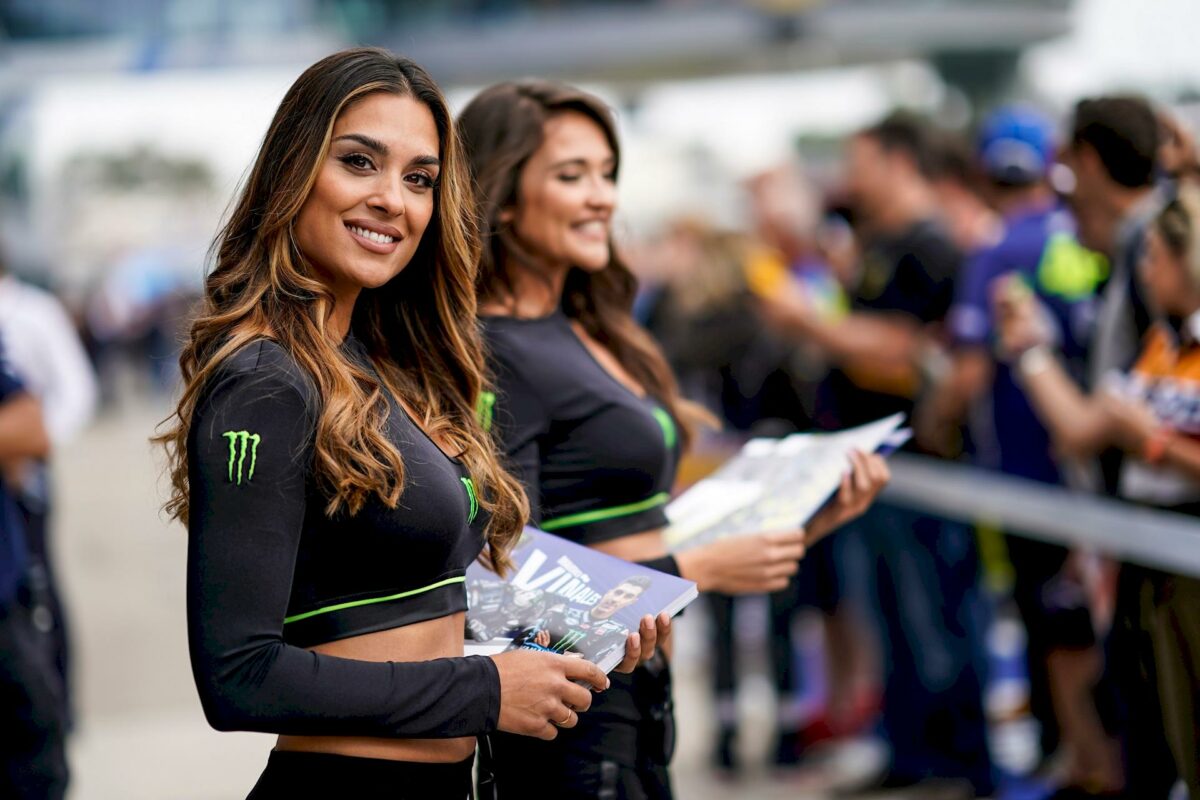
x=387 y=196
x=603 y=194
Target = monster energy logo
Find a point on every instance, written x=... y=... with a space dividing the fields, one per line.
x=470 y=485
x=569 y=640
x=239 y=455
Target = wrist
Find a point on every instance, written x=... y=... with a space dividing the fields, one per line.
x=694 y=567
x=1154 y=448
x=1035 y=360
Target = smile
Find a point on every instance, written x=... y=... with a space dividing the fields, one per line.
x=374 y=241
x=378 y=238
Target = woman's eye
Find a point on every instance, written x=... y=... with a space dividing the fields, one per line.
x=357 y=161
x=569 y=177
x=422 y=180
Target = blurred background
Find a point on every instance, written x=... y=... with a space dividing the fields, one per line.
x=126 y=125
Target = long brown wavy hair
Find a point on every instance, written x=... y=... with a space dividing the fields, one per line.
x=419 y=328
x=501 y=128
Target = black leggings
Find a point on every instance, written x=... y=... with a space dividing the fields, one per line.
x=291 y=774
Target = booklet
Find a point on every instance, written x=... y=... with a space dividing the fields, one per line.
x=774 y=484
x=566 y=598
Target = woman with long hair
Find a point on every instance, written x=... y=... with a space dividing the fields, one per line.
x=327 y=461
x=589 y=415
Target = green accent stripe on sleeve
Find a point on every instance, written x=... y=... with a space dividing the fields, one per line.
x=599 y=514
x=670 y=435
x=369 y=601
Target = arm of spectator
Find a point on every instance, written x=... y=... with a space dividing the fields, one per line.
x=22 y=430
x=1078 y=424
x=1138 y=432
x=863 y=337
x=69 y=395
x=937 y=417
x=868 y=475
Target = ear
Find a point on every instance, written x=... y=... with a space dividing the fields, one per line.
x=508 y=214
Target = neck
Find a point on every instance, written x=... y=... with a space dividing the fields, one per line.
x=1011 y=200
x=337 y=326
x=911 y=202
x=536 y=291
x=1123 y=200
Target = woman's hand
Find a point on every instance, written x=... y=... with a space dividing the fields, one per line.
x=640 y=645
x=539 y=693
x=1020 y=320
x=868 y=475
x=750 y=564
x=1131 y=423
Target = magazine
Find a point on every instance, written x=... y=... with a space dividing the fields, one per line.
x=566 y=598
x=774 y=484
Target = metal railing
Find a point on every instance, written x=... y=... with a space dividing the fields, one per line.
x=1159 y=539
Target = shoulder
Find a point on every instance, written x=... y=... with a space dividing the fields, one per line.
x=528 y=351
x=264 y=371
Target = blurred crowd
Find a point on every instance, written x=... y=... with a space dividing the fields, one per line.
x=1028 y=294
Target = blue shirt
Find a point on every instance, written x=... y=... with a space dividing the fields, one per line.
x=12 y=532
x=1039 y=244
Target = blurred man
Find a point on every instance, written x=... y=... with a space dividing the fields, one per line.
x=45 y=351
x=925 y=569
x=1015 y=153
x=1112 y=151
x=32 y=759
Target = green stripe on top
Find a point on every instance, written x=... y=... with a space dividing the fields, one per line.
x=485 y=408
x=470 y=486
x=369 y=601
x=599 y=514
x=668 y=426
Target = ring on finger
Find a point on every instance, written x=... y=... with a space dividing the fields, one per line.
x=570 y=713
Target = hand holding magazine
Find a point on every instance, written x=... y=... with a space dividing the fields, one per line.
x=566 y=598
x=774 y=484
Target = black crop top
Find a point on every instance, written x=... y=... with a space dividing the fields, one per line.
x=597 y=461
x=269 y=573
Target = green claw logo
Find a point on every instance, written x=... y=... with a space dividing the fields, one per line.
x=239 y=456
x=474 y=498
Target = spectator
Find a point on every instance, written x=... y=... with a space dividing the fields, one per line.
x=34 y=762
x=1151 y=413
x=45 y=351
x=926 y=569
x=1015 y=153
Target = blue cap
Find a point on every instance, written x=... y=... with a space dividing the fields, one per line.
x=1016 y=145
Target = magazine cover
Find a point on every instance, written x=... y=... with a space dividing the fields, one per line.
x=566 y=598
x=774 y=484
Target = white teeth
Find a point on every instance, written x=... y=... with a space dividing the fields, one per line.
x=372 y=235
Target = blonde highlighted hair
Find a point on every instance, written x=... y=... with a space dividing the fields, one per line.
x=419 y=328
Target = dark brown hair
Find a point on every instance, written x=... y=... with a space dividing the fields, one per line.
x=419 y=328
x=1124 y=132
x=502 y=127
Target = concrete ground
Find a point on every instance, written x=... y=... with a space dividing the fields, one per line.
x=141 y=734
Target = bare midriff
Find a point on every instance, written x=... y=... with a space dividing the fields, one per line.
x=643 y=546
x=422 y=641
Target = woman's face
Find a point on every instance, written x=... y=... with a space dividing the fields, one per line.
x=374 y=195
x=1163 y=274
x=566 y=195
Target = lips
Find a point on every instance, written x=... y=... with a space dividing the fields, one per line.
x=592 y=228
x=374 y=237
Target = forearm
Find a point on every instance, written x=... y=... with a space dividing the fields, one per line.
x=1184 y=455
x=1075 y=421
x=862 y=337
x=22 y=430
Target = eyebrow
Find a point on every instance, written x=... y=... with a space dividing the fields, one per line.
x=366 y=141
x=382 y=149
x=570 y=162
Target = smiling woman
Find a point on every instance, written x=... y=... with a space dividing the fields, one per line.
x=327 y=461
